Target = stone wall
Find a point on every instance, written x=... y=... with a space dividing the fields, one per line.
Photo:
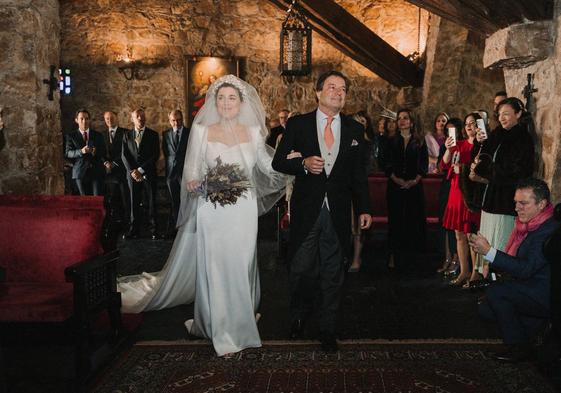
x=535 y=49
x=455 y=80
x=96 y=32
x=31 y=141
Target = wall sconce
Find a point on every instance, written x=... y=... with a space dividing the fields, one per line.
x=295 y=43
x=129 y=68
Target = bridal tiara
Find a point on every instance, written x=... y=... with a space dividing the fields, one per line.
x=232 y=80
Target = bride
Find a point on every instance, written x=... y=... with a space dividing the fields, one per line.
x=227 y=181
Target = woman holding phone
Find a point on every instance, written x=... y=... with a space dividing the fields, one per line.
x=506 y=157
x=457 y=216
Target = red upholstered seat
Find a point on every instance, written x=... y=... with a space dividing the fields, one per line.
x=41 y=235
x=377 y=185
x=34 y=302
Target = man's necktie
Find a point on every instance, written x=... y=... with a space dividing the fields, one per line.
x=112 y=134
x=176 y=138
x=137 y=138
x=85 y=135
x=328 y=133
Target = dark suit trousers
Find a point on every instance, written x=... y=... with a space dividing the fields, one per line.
x=114 y=186
x=149 y=187
x=174 y=188
x=88 y=186
x=519 y=316
x=317 y=265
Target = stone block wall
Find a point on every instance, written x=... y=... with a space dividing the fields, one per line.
x=96 y=32
x=535 y=49
x=455 y=80
x=31 y=140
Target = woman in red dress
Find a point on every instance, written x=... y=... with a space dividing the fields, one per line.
x=457 y=216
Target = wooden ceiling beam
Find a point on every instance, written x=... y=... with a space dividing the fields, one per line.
x=488 y=16
x=357 y=41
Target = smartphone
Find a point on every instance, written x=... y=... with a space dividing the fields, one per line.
x=452 y=134
x=481 y=126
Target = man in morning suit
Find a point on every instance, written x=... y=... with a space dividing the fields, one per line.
x=174 y=144
x=276 y=131
x=521 y=306
x=328 y=174
x=116 y=174
x=141 y=150
x=87 y=150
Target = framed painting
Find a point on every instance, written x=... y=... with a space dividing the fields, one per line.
x=200 y=73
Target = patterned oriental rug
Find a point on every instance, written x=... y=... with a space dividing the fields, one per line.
x=365 y=366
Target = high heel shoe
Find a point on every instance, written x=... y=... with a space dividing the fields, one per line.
x=453 y=271
x=458 y=281
x=445 y=266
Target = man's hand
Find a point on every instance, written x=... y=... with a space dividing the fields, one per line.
x=108 y=166
x=86 y=149
x=136 y=175
x=314 y=164
x=478 y=243
x=365 y=221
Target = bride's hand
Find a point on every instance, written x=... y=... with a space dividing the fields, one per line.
x=193 y=185
x=293 y=154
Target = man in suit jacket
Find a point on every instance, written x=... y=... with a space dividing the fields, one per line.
x=276 y=131
x=174 y=144
x=116 y=174
x=87 y=150
x=141 y=150
x=521 y=306
x=328 y=174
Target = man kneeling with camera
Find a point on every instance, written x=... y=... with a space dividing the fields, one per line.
x=521 y=305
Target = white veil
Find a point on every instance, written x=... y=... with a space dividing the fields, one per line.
x=217 y=122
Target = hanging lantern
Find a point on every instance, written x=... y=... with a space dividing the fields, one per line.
x=295 y=44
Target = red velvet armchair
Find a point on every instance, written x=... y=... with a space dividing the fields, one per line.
x=55 y=272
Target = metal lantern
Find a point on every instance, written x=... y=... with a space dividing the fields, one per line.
x=295 y=44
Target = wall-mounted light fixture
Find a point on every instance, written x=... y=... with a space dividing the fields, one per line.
x=129 y=68
x=137 y=69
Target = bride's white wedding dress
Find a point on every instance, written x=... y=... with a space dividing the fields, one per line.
x=219 y=256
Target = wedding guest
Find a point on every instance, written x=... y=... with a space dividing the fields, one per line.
x=86 y=148
x=407 y=163
x=327 y=178
x=447 y=238
x=507 y=155
x=386 y=129
x=141 y=150
x=369 y=162
x=116 y=174
x=435 y=138
x=278 y=130
x=457 y=216
x=521 y=306
x=174 y=145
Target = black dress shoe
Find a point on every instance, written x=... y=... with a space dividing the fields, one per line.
x=296 y=330
x=328 y=343
x=515 y=353
x=132 y=234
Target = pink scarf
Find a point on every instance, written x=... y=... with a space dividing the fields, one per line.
x=521 y=229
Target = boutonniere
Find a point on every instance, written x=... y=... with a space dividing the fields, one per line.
x=354 y=143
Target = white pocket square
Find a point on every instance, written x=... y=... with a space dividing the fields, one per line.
x=354 y=143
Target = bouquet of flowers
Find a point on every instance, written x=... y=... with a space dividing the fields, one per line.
x=223 y=184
